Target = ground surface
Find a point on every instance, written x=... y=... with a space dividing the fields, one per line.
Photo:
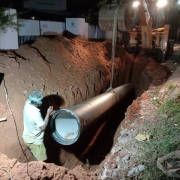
x=69 y=72
x=121 y=163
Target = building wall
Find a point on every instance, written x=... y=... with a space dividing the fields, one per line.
x=77 y=26
x=28 y=27
x=95 y=32
x=52 y=28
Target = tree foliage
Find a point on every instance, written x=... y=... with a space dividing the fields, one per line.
x=6 y=19
x=92 y=15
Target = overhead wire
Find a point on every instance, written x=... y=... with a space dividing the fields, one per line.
x=8 y=104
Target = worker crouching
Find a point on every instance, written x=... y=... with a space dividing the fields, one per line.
x=34 y=125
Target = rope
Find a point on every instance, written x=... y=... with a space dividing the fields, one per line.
x=4 y=169
x=114 y=42
x=7 y=99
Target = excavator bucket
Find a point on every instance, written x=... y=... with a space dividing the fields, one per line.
x=106 y=18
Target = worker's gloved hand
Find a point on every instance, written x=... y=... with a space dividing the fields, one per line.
x=50 y=109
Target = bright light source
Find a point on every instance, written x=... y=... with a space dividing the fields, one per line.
x=161 y=3
x=179 y=2
x=135 y=3
x=33 y=17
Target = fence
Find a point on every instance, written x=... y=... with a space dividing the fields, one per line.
x=30 y=30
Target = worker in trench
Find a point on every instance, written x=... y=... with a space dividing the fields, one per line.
x=34 y=125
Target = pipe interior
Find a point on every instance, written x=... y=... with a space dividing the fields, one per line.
x=66 y=126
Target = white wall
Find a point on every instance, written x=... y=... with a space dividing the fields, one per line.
x=52 y=28
x=9 y=36
x=77 y=26
x=92 y=31
x=85 y=30
x=100 y=34
x=95 y=32
x=29 y=27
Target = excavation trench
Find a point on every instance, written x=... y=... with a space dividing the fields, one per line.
x=78 y=70
x=94 y=123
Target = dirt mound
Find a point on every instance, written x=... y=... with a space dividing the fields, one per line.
x=40 y=170
x=67 y=71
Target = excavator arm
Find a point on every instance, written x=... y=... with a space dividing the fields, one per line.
x=146 y=24
x=113 y=18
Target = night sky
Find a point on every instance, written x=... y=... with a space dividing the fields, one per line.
x=72 y=5
x=75 y=8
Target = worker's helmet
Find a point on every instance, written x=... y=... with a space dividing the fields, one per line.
x=36 y=97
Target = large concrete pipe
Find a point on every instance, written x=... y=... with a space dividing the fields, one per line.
x=68 y=124
x=106 y=18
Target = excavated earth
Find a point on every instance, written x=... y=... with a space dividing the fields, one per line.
x=69 y=71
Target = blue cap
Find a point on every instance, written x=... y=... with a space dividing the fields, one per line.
x=36 y=96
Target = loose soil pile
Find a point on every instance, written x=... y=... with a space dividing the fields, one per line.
x=68 y=71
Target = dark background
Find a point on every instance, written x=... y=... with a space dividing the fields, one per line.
x=89 y=9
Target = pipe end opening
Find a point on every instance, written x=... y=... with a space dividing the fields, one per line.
x=66 y=125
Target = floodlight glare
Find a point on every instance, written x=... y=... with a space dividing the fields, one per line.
x=179 y=2
x=161 y=3
x=135 y=3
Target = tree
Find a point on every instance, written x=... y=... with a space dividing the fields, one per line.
x=92 y=15
x=6 y=20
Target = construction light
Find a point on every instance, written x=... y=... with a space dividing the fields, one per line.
x=161 y=3
x=135 y=3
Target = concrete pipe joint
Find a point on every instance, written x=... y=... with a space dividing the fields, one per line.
x=68 y=124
